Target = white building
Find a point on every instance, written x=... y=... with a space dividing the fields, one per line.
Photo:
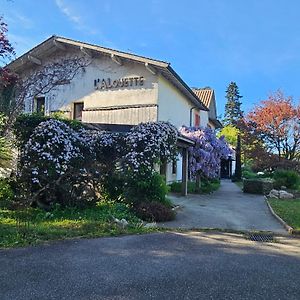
x=116 y=88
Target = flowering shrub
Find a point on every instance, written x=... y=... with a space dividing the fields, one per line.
x=53 y=153
x=51 y=150
x=109 y=150
x=149 y=143
x=206 y=155
x=72 y=167
x=26 y=123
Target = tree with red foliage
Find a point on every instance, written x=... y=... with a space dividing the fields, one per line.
x=6 y=49
x=7 y=52
x=276 y=121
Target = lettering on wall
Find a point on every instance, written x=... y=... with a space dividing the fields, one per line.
x=108 y=83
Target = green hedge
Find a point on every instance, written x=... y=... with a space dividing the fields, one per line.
x=289 y=179
x=6 y=193
x=257 y=186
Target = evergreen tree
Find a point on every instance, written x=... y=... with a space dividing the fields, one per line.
x=233 y=112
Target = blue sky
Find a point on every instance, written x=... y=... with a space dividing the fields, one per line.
x=208 y=42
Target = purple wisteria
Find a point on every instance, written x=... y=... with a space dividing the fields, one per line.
x=51 y=150
x=205 y=157
x=58 y=160
x=150 y=143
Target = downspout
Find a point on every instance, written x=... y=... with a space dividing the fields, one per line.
x=191 y=114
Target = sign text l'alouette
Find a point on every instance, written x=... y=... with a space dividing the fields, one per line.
x=108 y=83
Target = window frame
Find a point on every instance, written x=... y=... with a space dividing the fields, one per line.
x=74 y=110
x=42 y=111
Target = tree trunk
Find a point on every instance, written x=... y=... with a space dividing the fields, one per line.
x=198 y=184
x=238 y=167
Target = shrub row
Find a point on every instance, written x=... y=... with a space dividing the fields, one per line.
x=257 y=186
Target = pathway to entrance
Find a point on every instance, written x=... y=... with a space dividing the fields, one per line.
x=227 y=208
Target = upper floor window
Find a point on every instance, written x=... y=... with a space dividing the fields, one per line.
x=40 y=105
x=197 y=120
x=78 y=108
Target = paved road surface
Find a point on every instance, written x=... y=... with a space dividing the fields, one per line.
x=227 y=208
x=154 y=266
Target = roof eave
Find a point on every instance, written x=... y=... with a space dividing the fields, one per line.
x=17 y=64
x=216 y=122
x=193 y=97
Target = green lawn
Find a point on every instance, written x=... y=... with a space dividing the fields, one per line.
x=32 y=226
x=288 y=210
x=206 y=186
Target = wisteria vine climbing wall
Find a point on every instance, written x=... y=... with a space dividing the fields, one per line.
x=205 y=156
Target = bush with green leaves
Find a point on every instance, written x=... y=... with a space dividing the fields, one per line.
x=249 y=174
x=261 y=186
x=5 y=145
x=150 y=187
x=74 y=167
x=26 y=123
x=287 y=178
x=6 y=193
x=130 y=160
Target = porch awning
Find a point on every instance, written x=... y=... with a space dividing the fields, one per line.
x=182 y=141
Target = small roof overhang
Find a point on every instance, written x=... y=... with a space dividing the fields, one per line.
x=108 y=127
x=182 y=141
x=216 y=123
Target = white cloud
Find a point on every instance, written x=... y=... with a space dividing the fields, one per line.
x=66 y=10
x=74 y=17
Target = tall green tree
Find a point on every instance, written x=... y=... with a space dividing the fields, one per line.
x=232 y=119
x=233 y=111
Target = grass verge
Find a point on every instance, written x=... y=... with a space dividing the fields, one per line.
x=288 y=210
x=33 y=226
x=239 y=184
x=206 y=186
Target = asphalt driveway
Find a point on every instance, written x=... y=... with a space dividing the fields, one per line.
x=154 y=266
x=227 y=208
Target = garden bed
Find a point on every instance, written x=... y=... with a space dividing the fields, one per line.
x=287 y=210
x=33 y=226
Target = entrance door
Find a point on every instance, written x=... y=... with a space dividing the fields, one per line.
x=225 y=168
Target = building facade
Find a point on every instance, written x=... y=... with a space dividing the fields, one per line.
x=115 y=88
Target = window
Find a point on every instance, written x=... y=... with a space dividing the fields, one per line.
x=40 y=105
x=197 y=120
x=78 y=108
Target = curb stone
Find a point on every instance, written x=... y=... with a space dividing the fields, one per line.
x=289 y=229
